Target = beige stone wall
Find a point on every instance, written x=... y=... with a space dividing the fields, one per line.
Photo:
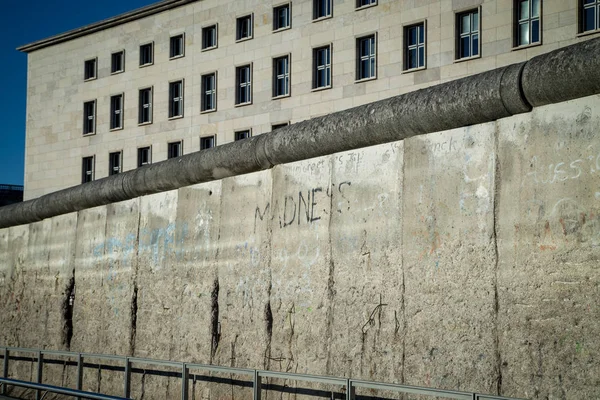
x=57 y=91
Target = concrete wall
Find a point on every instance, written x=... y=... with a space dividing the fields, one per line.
x=57 y=91
x=464 y=259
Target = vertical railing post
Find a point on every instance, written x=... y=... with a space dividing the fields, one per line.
x=79 y=373
x=5 y=369
x=127 y=388
x=184 y=381
x=350 y=392
x=40 y=370
x=257 y=386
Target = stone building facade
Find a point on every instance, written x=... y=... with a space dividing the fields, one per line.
x=183 y=75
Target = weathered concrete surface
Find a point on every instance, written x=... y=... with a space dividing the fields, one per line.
x=549 y=230
x=449 y=259
x=465 y=259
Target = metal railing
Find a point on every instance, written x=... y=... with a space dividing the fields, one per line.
x=348 y=385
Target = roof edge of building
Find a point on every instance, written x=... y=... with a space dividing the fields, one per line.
x=105 y=24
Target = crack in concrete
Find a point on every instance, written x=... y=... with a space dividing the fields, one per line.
x=497 y=188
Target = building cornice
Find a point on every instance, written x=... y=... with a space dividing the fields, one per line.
x=105 y=24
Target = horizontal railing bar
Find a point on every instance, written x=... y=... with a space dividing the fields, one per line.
x=451 y=394
x=300 y=377
x=103 y=356
x=59 y=353
x=216 y=368
x=59 y=390
x=154 y=362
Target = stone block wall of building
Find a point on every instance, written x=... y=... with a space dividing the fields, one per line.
x=57 y=92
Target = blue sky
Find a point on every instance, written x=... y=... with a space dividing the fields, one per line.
x=22 y=22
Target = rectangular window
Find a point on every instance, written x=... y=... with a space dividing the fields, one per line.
x=209 y=37
x=322 y=67
x=241 y=135
x=114 y=163
x=243 y=85
x=146 y=54
x=209 y=92
x=527 y=22
x=176 y=99
x=175 y=149
x=414 y=46
x=281 y=76
x=144 y=156
x=244 y=27
x=366 y=58
x=321 y=9
x=281 y=17
x=589 y=15
x=468 y=34
x=145 y=106
x=87 y=169
x=207 y=142
x=279 y=126
x=116 y=111
x=89 y=70
x=177 y=46
x=117 y=62
x=364 y=3
x=89 y=117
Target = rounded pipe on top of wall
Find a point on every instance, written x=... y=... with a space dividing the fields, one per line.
x=561 y=75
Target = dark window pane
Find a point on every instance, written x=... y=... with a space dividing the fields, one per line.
x=535 y=31
x=421 y=56
x=464 y=47
x=589 y=19
x=412 y=36
x=412 y=58
x=475 y=50
x=421 y=34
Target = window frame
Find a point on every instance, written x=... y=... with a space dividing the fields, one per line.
x=150 y=105
x=237 y=134
x=216 y=29
x=149 y=45
x=280 y=125
x=285 y=76
x=120 y=71
x=517 y=23
x=238 y=85
x=359 y=58
x=458 y=34
x=203 y=92
x=84 y=170
x=120 y=113
x=315 y=15
x=362 y=7
x=86 y=117
x=214 y=141
x=406 y=46
x=238 y=20
x=173 y=100
x=87 y=78
x=581 y=18
x=276 y=27
x=170 y=145
x=139 y=150
x=111 y=167
x=316 y=67
x=179 y=36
